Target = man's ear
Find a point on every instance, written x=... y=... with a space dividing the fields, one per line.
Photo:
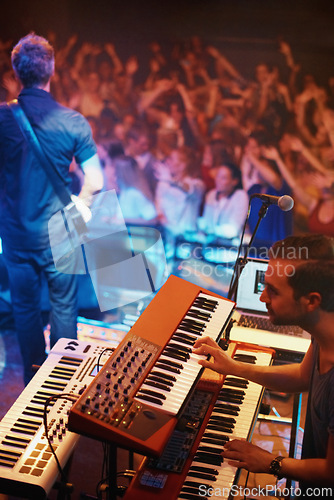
x=313 y=300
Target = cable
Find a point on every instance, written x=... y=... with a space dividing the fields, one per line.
x=68 y=397
x=104 y=468
x=129 y=474
x=100 y=356
x=246 y=482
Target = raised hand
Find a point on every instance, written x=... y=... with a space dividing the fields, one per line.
x=270 y=153
x=295 y=143
x=131 y=65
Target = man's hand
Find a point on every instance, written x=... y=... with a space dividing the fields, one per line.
x=243 y=454
x=222 y=363
x=81 y=206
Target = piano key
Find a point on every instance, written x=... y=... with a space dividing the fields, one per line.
x=22 y=430
x=171 y=363
x=215 y=440
x=155 y=394
x=162 y=374
x=174 y=354
x=188 y=329
x=157 y=385
x=196 y=313
x=145 y=397
x=223 y=419
x=186 y=320
x=166 y=366
x=179 y=346
x=198 y=325
x=204 y=469
x=186 y=341
x=213 y=434
x=160 y=380
x=202 y=475
x=182 y=384
x=202 y=303
x=245 y=358
x=235 y=382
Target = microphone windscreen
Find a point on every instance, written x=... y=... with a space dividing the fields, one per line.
x=285 y=203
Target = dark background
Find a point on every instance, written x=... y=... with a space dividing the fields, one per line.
x=246 y=30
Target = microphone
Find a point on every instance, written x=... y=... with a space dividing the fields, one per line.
x=284 y=202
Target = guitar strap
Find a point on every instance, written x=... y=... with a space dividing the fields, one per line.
x=51 y=171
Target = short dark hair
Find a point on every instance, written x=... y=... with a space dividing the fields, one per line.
x=232 y=167
x=315 y=270
x=315 y=276
x=33 y=60
x=115 y=149
x=260 y=136
x=304 y=247
x=234 y=170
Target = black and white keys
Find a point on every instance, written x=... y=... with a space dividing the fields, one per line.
x=177 y=368
x=27 y=465
x=233 y=416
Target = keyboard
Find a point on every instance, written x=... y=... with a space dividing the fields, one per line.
x=27 y=466
x=136 y=399
x=215 y=414
x=263 y=323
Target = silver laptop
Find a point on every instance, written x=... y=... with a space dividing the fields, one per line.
x=252 y=313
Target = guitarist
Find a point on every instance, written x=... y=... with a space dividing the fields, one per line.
x=28 y=199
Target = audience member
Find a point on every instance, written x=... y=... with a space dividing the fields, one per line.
x=138 y=146
x=134 y=194
x=261 y=176
x=179 y=195
x=226 y=205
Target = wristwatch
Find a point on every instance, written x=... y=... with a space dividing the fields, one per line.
x=276 y=466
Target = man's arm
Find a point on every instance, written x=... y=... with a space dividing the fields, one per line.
x=266 y=171
x=148 y=98
x=277 y=378
x=223 y=62
x=93 y=181
x=319 y=471
x=297 y=145
x=312 y=470
x=303 y=196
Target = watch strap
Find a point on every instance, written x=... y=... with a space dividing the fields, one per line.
x=276 y=466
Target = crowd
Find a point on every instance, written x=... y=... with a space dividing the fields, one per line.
x=188 y=140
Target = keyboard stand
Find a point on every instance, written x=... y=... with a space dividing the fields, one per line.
x=65 y=490
x=109 y=486
x=295 y=424
x=294 y=421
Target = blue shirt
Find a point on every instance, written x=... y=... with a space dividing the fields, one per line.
x=27 y=198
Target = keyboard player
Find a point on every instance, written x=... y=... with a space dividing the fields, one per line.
x=298 y=290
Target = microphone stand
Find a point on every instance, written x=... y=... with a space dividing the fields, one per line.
x=241 y=262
